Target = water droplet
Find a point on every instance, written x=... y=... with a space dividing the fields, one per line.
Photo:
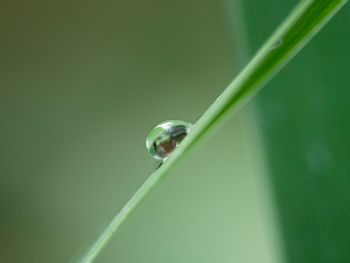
x=165 y=137
x=277 y=44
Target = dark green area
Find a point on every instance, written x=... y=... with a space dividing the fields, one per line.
x=304 y=115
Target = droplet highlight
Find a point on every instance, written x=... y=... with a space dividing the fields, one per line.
x=165 y=137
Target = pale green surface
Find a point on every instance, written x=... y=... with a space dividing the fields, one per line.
x=173 y=224
x=306 y=20
x=82 y=83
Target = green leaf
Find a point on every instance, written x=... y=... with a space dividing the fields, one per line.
x=304 y=119
x=300 y=26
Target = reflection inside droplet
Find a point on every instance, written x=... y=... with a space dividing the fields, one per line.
x=165 y=137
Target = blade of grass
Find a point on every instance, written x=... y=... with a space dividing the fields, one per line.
x=300 y=26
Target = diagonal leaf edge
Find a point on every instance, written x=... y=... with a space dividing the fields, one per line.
x=307 y=18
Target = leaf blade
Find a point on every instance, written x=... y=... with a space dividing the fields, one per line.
x=298 y=28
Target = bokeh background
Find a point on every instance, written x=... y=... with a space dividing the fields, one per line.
x=82 y=83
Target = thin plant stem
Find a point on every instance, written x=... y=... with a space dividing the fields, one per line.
x=308 y=17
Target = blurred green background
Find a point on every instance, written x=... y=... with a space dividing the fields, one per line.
x=82 y=83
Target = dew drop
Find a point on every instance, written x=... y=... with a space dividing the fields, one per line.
x=277 y=44
x=165 y=137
